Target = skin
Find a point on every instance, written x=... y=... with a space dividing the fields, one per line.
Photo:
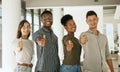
x=92 y=21
x=47 y=20
x=25 y=30
x=71 y=29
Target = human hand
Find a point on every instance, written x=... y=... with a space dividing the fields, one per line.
x=83 y=38
x=69 y=45
x=42 y=41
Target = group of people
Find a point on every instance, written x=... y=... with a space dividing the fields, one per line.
x=95 y=45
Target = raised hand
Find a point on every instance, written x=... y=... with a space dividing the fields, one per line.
x=20 y=45
x=69 y=45
x=41 y=41
x=83 y=38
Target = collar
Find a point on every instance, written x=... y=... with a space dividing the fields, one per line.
x=44 y=29
x=90 y=31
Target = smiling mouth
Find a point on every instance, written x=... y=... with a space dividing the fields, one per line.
x=73 y=28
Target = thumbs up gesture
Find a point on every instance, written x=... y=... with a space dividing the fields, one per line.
x=83 y=38
x=69 y=45
x=20 y=45
x=41 y=41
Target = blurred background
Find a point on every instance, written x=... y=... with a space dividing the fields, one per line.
x=11 y=12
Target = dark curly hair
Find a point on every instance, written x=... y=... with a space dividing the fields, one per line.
x=66 y=18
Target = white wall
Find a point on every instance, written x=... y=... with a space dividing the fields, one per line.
x=0 y=34
x=119 y=34
x=111 y=28
x=109 y=18
x=52 y=3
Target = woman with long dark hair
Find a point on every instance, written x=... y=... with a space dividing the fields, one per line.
x=23 y=48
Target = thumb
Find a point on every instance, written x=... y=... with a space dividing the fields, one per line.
x=69 y=41
x=20 y=39
x=44 y=36
x=84 y=34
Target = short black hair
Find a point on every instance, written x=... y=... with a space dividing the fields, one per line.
x=66 y=18
x=89 y=13
x=46 y=12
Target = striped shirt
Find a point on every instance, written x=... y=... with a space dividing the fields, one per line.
x=47 y=57
x=96 y=52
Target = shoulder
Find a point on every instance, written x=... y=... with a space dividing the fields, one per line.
x=15 y=41
x=55 y=36
x=14 y=44
x=38 y=31
x=67 y=37
x=103 y=36
x=31 y=41
x=83 y=33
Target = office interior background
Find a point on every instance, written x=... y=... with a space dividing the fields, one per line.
x=13 y=11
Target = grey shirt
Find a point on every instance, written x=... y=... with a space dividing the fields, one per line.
x=96 y=52
x=47 y=57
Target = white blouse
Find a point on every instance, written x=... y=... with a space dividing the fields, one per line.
x=26 y=54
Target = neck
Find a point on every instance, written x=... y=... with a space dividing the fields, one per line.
x=95 y=31
x=48 y=28
x=72 y=34
x=24 y=37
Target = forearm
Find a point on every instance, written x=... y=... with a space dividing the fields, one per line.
x=110 y=64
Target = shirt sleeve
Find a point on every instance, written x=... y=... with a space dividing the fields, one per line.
x=39 y=49
x=107 y=53
x=36 y=35
x=13 y=46
x=33 y=56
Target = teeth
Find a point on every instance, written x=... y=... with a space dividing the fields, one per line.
x=73 y=28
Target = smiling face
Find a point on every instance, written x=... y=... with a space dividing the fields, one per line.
x=70 y=26
x=25 y=30
x=92 y=21
x=47 y=19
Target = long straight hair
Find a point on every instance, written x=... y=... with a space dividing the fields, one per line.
x=21 y=24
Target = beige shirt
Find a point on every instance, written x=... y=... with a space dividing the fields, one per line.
x=24 y=56
x=96 y=52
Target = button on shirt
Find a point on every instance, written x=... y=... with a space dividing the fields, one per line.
x=26 y=54
x=47 y=57
x=96 y=52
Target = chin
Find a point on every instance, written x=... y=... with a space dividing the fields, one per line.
x=48 y=24
x=74 y=31
x=92 y=27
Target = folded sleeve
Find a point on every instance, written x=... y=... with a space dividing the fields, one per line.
x=107 y=53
